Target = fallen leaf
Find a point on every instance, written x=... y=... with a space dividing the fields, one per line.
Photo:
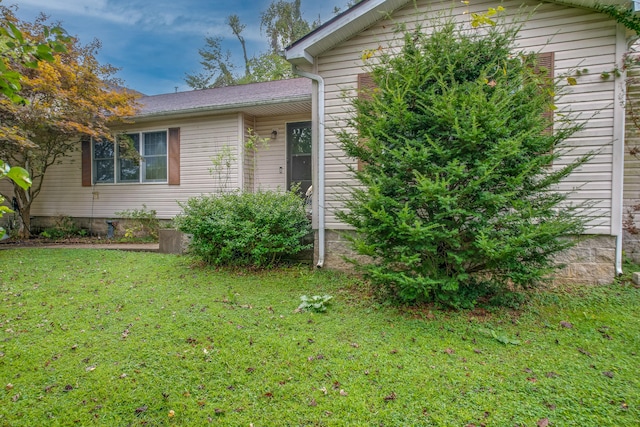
x=475 y=350
x=449 y=351
x=68 y=387
x=565 y=324
x=90 y=368
x=583 y=351
x=313 y=403
x=172 y=413
x=543 y=422
x=355 y=345
x=608 y=374
x=391 y=396
x=15 y=398
x=343 y=393
x=551 y=375
x=141 y=409
x=8 y=386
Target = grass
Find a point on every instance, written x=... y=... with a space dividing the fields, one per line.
x=113 y=338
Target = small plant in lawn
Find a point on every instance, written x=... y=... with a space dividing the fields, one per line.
x=245 y=229
x=315 y=303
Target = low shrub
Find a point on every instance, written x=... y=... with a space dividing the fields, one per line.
x=141 y=223
x=241 y=229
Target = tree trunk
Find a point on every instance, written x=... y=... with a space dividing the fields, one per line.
x=24 y=212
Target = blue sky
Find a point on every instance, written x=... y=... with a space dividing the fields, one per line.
x=155 y=42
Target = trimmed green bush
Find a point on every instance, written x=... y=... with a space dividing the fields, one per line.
x=457 y=199
x=245 y=229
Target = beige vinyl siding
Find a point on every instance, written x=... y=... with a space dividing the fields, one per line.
x=578 y=37
x=201 y=139
x=631 y=161
x=271 y=164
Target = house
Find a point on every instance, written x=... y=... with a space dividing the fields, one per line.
x=179 y=134
x=569 y=33
x=198 y=125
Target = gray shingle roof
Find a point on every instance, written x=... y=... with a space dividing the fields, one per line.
x=226 y=98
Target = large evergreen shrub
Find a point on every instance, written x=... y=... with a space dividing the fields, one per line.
x=245 y=229
x=457 y=197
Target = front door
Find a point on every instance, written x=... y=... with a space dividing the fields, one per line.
x=299 y=155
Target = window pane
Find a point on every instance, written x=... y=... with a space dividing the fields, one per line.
x=155 y=168
x=102 y=150
x=129 y=171
x=103 y=171
x=155 y=144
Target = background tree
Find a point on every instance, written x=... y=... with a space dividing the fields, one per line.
x=282 y=23
x=71 y=97
x=456 y=200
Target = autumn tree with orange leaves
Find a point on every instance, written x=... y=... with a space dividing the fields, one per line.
x=67 y=99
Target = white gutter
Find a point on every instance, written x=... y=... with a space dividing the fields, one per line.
x=617 y=185
x=321 y=193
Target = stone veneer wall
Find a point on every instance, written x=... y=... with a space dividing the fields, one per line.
x=590 y=262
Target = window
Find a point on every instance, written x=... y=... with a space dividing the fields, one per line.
x=144 y=160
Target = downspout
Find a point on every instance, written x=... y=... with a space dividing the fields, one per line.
x=321 y=173
x=618 y=147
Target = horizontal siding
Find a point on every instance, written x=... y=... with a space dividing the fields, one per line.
x=632 y=161
x=581 y=39
x=201 y=139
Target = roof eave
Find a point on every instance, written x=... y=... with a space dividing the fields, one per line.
x=365 y=14
x=217 y=109
x=339 y=29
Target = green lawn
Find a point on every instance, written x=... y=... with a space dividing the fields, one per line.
x=117 y=339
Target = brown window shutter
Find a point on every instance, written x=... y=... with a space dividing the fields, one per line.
x=366 y=86
x=86 y=161
x=174 y=156
x=544 y=67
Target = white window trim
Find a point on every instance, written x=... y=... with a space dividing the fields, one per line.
x=141 y=163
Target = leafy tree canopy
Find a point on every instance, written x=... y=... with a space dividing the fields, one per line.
x=70 y=97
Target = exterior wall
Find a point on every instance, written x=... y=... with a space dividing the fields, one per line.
x=201 y=138
x=271 y=163
x=590 y=262
x=579 y=38
x=631 y=241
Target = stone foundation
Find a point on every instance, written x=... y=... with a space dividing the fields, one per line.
x=93 y=226
x=631 y=246
x=590 y=262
